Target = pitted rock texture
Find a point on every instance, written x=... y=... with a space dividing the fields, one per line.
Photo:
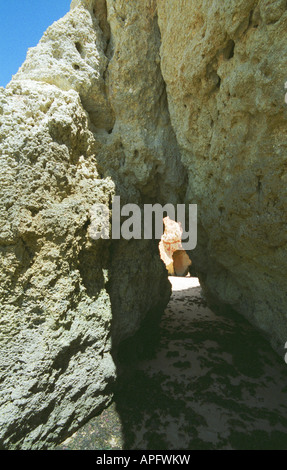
x=224 y=64
x=55 y=345
x=66 y=300
x=154 y=101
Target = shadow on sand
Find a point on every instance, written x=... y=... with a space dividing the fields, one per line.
x=212 y=382
x=206 y=380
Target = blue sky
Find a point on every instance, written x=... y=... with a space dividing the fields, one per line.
x=22 y=24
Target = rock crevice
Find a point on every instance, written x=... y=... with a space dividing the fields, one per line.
x=153 y=101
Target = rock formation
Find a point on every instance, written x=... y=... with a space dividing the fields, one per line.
x=224 y=68
x=173 y=255
x=155 y=101
x=79 y=124
x=181 y=263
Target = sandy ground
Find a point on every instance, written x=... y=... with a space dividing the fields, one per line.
x=213 y=382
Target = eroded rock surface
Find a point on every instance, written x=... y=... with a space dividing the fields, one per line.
x=224 y=68
x=114 y=100
x=175 y=258
x=65 y=298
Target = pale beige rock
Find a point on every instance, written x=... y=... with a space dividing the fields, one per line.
x=170 y=241
x=224 y=64
x=71 y=56
x=173 y=255
x=181 y=263
x=54 y=327
x=112 y=101
x=66 y=302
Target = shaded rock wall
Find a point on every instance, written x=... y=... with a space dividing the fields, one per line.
x=69 y=140
x=224 y=64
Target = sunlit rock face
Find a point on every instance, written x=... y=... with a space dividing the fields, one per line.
x=171 y=251
x=224 y=65
x=153 y=101
x=80 y=123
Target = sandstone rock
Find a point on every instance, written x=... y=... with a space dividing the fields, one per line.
x=114 y=100
x=54 y=328
x=66 y=144
x=170 y=242
x=224 y=68
x=181 y=263
x=173 y=255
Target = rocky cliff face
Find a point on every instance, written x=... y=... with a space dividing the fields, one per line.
x=77 y=127
x=224 y=67
x=155 y=101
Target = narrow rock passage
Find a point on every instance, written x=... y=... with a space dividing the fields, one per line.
x=213 y=383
